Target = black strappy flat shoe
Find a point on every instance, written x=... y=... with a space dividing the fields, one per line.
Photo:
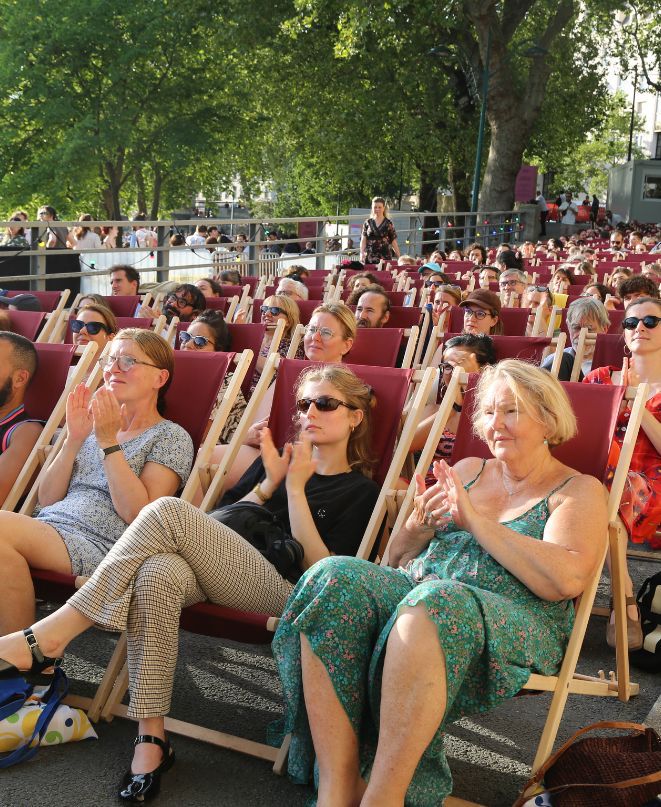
x=137 y=788
x=39 y=661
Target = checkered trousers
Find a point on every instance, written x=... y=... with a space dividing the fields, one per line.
x=170 y=557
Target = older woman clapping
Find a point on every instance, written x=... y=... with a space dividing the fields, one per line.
x=479 y=597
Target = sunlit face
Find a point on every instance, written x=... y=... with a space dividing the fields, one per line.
x=511 y=283
x=593 y=327
x=617 y=278
x=642 y=340
x=326 y=428
x=528 y=250
x=534 y=299
x=327 y=345
x=205 y=287
x=443 y=301
x=510 y=432
x=378 y=210
x=269 y=317
x=474 y=322
x=288 y=289
x=371 y=311
x=83 y=337
x=651 y=272
x=360 y=283
x=455 y=255
x=199 y=329
x=559 y=284
x=138 y=384
x=458 y=356
x=121 y=285
x=475 y=256
x=488 y=276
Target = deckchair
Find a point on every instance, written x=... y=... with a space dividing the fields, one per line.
x=514 y=320
x=49 y=300
x=390 y=387
x=46 y=399
x=26 y=323
x=587 y=453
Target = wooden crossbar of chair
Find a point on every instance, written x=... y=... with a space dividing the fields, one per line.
x=565 y=682
x=38 y=455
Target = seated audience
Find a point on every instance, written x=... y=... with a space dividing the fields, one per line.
x=124 y=281
x=93 y=323
x=637 y=286
x=561 y=281
x=373 y=308
x=619 y=276
x=480 y=584
x=209 y=287
x=512 y=282
x=231 y=277
x=477 y=254
x=482 y=312
x=173 y=555
x=596 y=290
x=640 y=508
x=90 y=299
x=361 y=281
x=18 y=432
x=143 y=457
x=445 y=298
x=356 y=294
x=293 y=289
x=209 y=333
x=488 y=274
x=275 y=308
x=20 y=302
x=185 y=302
x=471 y=352
x=534 y=298
x=586 y=312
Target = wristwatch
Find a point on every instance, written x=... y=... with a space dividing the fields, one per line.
x=106 y=452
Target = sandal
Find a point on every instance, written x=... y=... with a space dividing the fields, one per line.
x=136 y=788
x=39 y=661
x=634 y=628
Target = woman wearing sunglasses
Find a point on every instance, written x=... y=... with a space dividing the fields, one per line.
x=93 y=323
x=119 y=454
x=208 y=332
x=274 y=309
x=640 y=508
x=174 y=555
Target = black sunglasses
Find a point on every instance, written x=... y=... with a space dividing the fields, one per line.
x=92 y=328
x=198 y=341
x=631 y=323
x=274 y=310
x=429 y=283
x=324 y=403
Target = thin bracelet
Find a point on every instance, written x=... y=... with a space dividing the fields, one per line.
x=257 y=490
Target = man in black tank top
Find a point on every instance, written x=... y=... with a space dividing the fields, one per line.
x=18 y=432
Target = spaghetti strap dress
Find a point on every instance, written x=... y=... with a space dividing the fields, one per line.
x=493 y=630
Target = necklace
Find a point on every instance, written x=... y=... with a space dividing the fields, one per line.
x=509 y=491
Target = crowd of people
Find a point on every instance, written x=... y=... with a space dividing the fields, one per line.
x=368 y=655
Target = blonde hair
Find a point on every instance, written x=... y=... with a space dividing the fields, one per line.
x=539 y=393
x=356 y=393
x=289 y=309
x=158 y=350
x=104 y=312
x=343 y=314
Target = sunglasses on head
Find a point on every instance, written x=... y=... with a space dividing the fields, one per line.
x=198 y=341
x=274 y=310
x=92 y=328
x=631 y=323
x=324 y=403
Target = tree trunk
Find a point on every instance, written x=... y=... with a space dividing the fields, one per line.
x=156 y=194
x=428 y=203
x=113 y=173
x=508 y=142
x=458 y=179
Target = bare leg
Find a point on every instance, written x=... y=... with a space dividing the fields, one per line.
x=334 y=739
x=147 y=756
x=632 y=610
x=25 y=542
x=413 y=702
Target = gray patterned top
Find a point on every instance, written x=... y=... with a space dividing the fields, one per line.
x=86 y=514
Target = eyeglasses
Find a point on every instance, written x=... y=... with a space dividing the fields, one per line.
x=324 y=333
x=631 y=323
x=446 y=367
x=198 y=341
x=125 y=363
x=42 y=213
x=324 y=403
x=181 y=302
x=478 y=313
x=92 y=328
x=507 y=283
x=274 y=310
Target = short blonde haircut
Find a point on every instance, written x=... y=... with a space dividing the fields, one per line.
x=289 y=309
x=343 y=314
x=539 y=393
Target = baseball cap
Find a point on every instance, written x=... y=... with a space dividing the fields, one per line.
x=22 y=302
x=485 y=299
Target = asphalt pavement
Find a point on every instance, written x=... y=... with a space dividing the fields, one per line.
x=235 y=688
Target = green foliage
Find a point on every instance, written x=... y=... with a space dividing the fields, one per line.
x=586 y=168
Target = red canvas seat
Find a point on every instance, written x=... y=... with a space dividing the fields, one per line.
x=608 y=350
x=26 y=323
x=48 y=382
x=378 y=347
x=122 y=305
x=47 y=299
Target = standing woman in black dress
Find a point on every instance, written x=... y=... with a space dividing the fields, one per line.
x=379 y=239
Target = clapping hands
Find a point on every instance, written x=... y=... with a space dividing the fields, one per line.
x=295 y=463
x=444 y=501
x=101 y=413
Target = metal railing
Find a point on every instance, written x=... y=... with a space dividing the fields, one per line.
x=40 y=267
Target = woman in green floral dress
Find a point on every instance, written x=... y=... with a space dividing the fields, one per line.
x=376 y=660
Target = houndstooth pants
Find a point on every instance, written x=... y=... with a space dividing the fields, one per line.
x=170 y=557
